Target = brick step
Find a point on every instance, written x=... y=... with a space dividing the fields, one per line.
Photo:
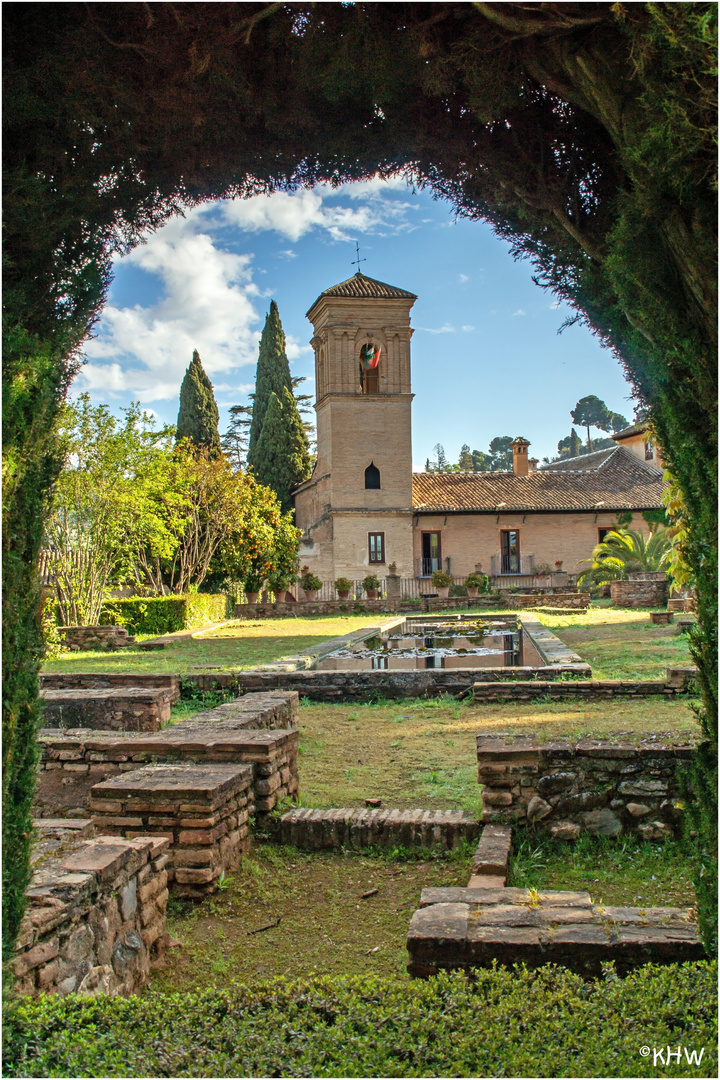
x=492 y=858
x=458 y=928
x=356 y=828
x=557 y=690
x=125 y=708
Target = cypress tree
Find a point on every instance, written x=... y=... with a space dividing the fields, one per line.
x=281 y=454
x=272 y=376
x=198 y=416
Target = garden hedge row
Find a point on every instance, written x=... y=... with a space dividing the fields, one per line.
x=166 y=614
x=499 y=1023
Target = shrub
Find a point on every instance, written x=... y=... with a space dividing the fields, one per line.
x=343 y=584
x=476 y=581
x=441 y=580
x=308 y=581
x=166 y=614
x=372 y=581
x=543 y=569
x=497 y=1022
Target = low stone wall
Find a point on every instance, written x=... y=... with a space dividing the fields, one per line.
x=381 y=607
x=592 y=689
x=639 y=594
x=253 y=730
x=97 y=680
x=130 y=708
x=202 y=810
x=95 y=920
x=600 y=787
x=82 y=638
x=352 y=828
x=548 y=646
x=574 y=600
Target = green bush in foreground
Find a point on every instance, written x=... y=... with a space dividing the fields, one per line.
x=166 y=614
x=500 y=1023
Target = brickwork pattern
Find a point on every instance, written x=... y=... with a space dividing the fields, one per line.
x=638 y=593
x=104 y=680
x=592 y=689
x=95 y=919
x=77 y=638
x=595 y=786
x=576 y=601
x=202 y=810
x=353 y=828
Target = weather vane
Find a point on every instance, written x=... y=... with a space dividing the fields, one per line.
x=357 y=260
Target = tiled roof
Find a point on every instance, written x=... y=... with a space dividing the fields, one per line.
x=635 y=429
x=361 y=286
x=619 y=482
x=580 y=464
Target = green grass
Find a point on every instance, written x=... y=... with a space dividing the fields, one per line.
x=236 y=647
x=623 y=871
x=621 y=643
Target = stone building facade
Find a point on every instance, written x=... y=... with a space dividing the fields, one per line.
x=363 y=509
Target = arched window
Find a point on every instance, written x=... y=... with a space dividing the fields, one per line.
x=369 y=367
x=372 y=477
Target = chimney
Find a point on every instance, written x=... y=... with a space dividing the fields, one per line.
x=532 y=464
x=520 y=458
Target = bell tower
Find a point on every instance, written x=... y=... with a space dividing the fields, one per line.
x=356 y=508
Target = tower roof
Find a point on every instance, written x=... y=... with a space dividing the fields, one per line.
x=361 y=286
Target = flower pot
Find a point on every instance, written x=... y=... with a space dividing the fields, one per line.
x=443 y=591
x=252 y=597
x=372 y=594
x=542 y=581
x=343 y=595
x=472 y=590
x=310 y=594
x=280 y=595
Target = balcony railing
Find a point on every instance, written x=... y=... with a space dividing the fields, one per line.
x=427 y=567
x=512 y=564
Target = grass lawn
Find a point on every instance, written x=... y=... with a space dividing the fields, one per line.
x=325 y=925
x=621 y=643
x=240 y=645
x=421 y=752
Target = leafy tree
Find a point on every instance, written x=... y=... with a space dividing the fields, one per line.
x=616 y=422
x=508 y=111
x=465 y=461
x=591 y=412
x=198 y=416
x=481 y=461
x=281 y=455
x=623 y=551
x=234 y=442
x=501 y=458
x=104 y=504
x=570 y=446
x=272 y=375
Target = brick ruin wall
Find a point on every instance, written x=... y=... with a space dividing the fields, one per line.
x=638 y=593
x=95 y=919
x=567 y=788
x=577 y=601
x=128 y=708
x=77 y=638
x=380 y=607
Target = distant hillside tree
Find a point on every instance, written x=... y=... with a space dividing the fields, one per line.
x=198 y=416
x=570 y=446
x=465 y=461
x=234 y=442
x=281 y=458
x=592 y=412
x=271 y=377
x=501 y=454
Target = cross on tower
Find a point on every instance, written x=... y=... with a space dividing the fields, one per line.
x=357 y=260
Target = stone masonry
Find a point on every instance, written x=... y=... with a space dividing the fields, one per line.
x=95 y=919
x=639 y=593
x=202 y=810
x=77 y=638
x=105 y=680
x=599 y=787
x=130 y=708
x=354 y=828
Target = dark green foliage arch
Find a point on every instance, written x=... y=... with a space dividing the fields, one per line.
x=585 y=133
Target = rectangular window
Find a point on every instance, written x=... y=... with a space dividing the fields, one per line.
x=431 y=554
x=376 y=547
x=510 y=551
x=602 y=533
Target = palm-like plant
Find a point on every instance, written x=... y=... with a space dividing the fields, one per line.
x=624 y=551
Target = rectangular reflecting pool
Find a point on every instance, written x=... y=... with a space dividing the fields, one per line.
x=475 y=643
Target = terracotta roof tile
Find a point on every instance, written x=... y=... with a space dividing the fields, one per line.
x=619 y=482
x=361 y=286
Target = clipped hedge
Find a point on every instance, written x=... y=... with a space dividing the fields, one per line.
x=166 y=614
x=499 y=1023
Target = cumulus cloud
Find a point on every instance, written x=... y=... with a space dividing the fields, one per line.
x=463 y=278
x=518 y=312
x=467 y=329
x=446 y=329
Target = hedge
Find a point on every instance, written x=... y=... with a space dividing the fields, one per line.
x=166 y=614
x=545 y=1023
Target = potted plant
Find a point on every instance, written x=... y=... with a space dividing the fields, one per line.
x=473 y=583
x=310 y=584
x=442 y=583
x=542 y=574
x=392 y=569
x=253 y=586
x=371 y=585
x=558 y=565
x=343 y=586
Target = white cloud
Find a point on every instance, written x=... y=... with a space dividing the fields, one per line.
x=467 y=329
x=446 y=329
x=555 y=305
x=518 y=312
x=463 y=278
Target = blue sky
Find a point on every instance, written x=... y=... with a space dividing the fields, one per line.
x=487 y=358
